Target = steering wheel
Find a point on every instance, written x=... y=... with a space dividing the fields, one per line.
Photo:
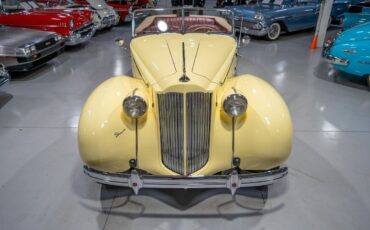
x=203 y=29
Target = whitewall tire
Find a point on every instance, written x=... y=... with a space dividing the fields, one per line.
x=274 y=31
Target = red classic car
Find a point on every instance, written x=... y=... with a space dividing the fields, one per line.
x=123 y=7
x=74 y=25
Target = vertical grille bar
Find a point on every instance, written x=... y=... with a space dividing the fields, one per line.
x=171 y=119
x=198 y=125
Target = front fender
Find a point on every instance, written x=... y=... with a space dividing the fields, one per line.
x=106 y=135
x=263 y=135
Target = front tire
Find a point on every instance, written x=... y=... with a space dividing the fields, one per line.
x=368 y=80
x=274 y=31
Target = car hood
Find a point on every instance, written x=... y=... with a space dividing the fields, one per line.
x=80 y=17
x=248 y=11
x=357 y=33
x=16 y=37
x=159 y=60
x=37 y=17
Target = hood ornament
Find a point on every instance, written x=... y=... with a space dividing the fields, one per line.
x=184 y=78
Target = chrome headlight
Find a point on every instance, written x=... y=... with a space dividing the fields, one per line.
x=33 y=48
x=134 y=106
x=27 y=51
x=235 y=105
x=58 y=38
x=258 y=16
x=71 y=24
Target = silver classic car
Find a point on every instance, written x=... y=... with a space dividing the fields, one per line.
x=24 y=49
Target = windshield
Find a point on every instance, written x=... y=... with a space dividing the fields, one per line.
x=274 y=2
x=14 y=6
x=182 y=20
x=51 y=3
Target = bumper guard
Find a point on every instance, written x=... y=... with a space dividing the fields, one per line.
x=232 y=181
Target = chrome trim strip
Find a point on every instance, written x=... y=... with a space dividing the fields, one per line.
x=232 y=181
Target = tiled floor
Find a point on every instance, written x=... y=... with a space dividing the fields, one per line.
x=42 y=185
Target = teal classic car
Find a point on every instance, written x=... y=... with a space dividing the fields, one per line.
x=350 y=51
x=269 y=18
x=356 y=15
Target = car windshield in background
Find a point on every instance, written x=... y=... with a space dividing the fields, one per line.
x=181 y=20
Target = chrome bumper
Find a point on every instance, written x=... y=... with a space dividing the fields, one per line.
x=254 y=28
x=335 y=60
x=233 y=181
x=259 y=33
x=36 y=59
x=76 y=38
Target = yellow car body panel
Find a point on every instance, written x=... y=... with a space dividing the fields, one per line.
x=107 y=136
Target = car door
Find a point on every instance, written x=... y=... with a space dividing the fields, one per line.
x=302 y=15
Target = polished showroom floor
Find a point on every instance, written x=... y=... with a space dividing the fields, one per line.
x=42 y=185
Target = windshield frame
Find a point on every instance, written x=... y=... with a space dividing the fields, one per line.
x=183 y=10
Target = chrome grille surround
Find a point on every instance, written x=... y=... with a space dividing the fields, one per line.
x=197 y=106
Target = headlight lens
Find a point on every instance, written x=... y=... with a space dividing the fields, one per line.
x=33 y=48
x=71 y=24
x=258 y=16
x=58 y=38
x=27 y=51
x=235 y=105
x=134 y=106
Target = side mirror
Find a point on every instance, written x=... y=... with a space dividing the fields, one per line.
x=245 y=40
x=120 y=42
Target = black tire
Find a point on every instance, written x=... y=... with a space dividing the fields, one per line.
x=274 y=31
x=368 y=80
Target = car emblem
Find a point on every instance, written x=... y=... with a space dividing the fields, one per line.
x=47 y=43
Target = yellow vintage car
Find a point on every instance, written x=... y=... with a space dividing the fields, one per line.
x=184 y=120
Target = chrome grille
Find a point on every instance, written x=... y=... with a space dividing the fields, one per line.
x=171 y=119
x=172 y=132
x=198 y=124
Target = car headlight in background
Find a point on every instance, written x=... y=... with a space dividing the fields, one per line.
x=33 y=48
x=258 y=16
x=27 y=51
x=71 y=24
x=235 y=104
x=134 y=106
x=58 y=38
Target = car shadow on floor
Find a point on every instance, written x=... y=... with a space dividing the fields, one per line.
x=4 y=98
x=326 y=72
x=248 y=202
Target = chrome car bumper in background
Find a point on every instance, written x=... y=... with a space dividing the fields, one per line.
x=81 y=35
x=330 y=58
x=254 y=28
x=335 y=60
x=36 y=59
x=232 y=181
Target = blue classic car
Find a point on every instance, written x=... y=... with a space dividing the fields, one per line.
x=272 y=17
x=357 y=14
x=350 y=51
